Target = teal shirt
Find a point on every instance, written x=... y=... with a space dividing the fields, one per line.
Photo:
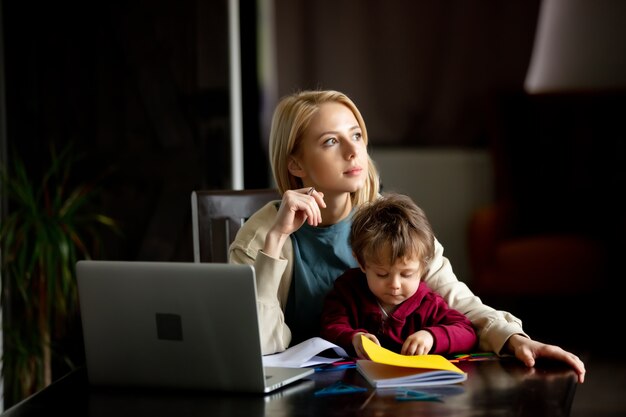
x=321 y=254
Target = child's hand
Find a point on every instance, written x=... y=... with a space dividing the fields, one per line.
x=358 y=346
x=419 y=343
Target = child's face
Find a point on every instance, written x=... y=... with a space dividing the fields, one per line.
x=392 y=284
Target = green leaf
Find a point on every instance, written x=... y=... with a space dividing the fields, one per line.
x=50 y=225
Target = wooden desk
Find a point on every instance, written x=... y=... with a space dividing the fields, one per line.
x=493 y=388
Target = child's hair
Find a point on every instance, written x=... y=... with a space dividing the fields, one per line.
x=291 y=118
x=395 y=222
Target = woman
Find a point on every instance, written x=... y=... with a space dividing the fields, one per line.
x=299 y=245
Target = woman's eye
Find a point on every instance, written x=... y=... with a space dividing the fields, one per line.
x=357 y=136
x=330 y=141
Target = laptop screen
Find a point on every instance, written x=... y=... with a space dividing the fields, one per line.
x=171 y=324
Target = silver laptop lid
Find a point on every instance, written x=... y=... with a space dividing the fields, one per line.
x=171 y=324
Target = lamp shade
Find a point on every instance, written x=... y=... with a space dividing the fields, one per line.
x=580 y=45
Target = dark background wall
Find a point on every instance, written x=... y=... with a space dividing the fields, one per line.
x=424 y=73
x=142 y=88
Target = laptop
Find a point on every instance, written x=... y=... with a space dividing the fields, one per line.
x=174 y=325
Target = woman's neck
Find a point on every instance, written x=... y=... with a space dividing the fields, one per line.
x=338 y=207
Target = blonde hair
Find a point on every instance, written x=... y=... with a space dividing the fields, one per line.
x=395 y=222
x=291 y=119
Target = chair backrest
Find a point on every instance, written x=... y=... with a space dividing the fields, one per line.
x=217 y=215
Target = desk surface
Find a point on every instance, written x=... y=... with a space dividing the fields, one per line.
x=503 y=387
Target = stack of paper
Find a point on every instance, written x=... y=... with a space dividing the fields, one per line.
x=305 y=354
x=387 y=369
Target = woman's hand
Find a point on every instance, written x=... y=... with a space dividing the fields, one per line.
x=296 y=207
x=528 y=350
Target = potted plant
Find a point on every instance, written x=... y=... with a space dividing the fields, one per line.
x=49 y=225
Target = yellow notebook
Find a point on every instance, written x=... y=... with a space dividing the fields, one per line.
x=388 y=369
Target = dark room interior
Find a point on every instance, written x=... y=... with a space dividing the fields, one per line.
x=140 y=89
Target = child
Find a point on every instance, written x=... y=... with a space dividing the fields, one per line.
x=385 y=298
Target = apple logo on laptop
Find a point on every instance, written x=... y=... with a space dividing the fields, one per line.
x=169 y=326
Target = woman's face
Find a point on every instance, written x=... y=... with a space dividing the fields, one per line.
x=332 y=156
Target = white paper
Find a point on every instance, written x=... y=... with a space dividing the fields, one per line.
x=305 y=354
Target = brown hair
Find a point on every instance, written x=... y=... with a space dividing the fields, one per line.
x=392 y=221
x=291 y=119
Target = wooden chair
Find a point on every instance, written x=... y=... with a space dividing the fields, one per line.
x=217 y=215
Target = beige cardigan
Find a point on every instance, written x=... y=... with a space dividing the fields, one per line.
x=273 y=278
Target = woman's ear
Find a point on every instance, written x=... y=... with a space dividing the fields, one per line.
x=294 y=168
